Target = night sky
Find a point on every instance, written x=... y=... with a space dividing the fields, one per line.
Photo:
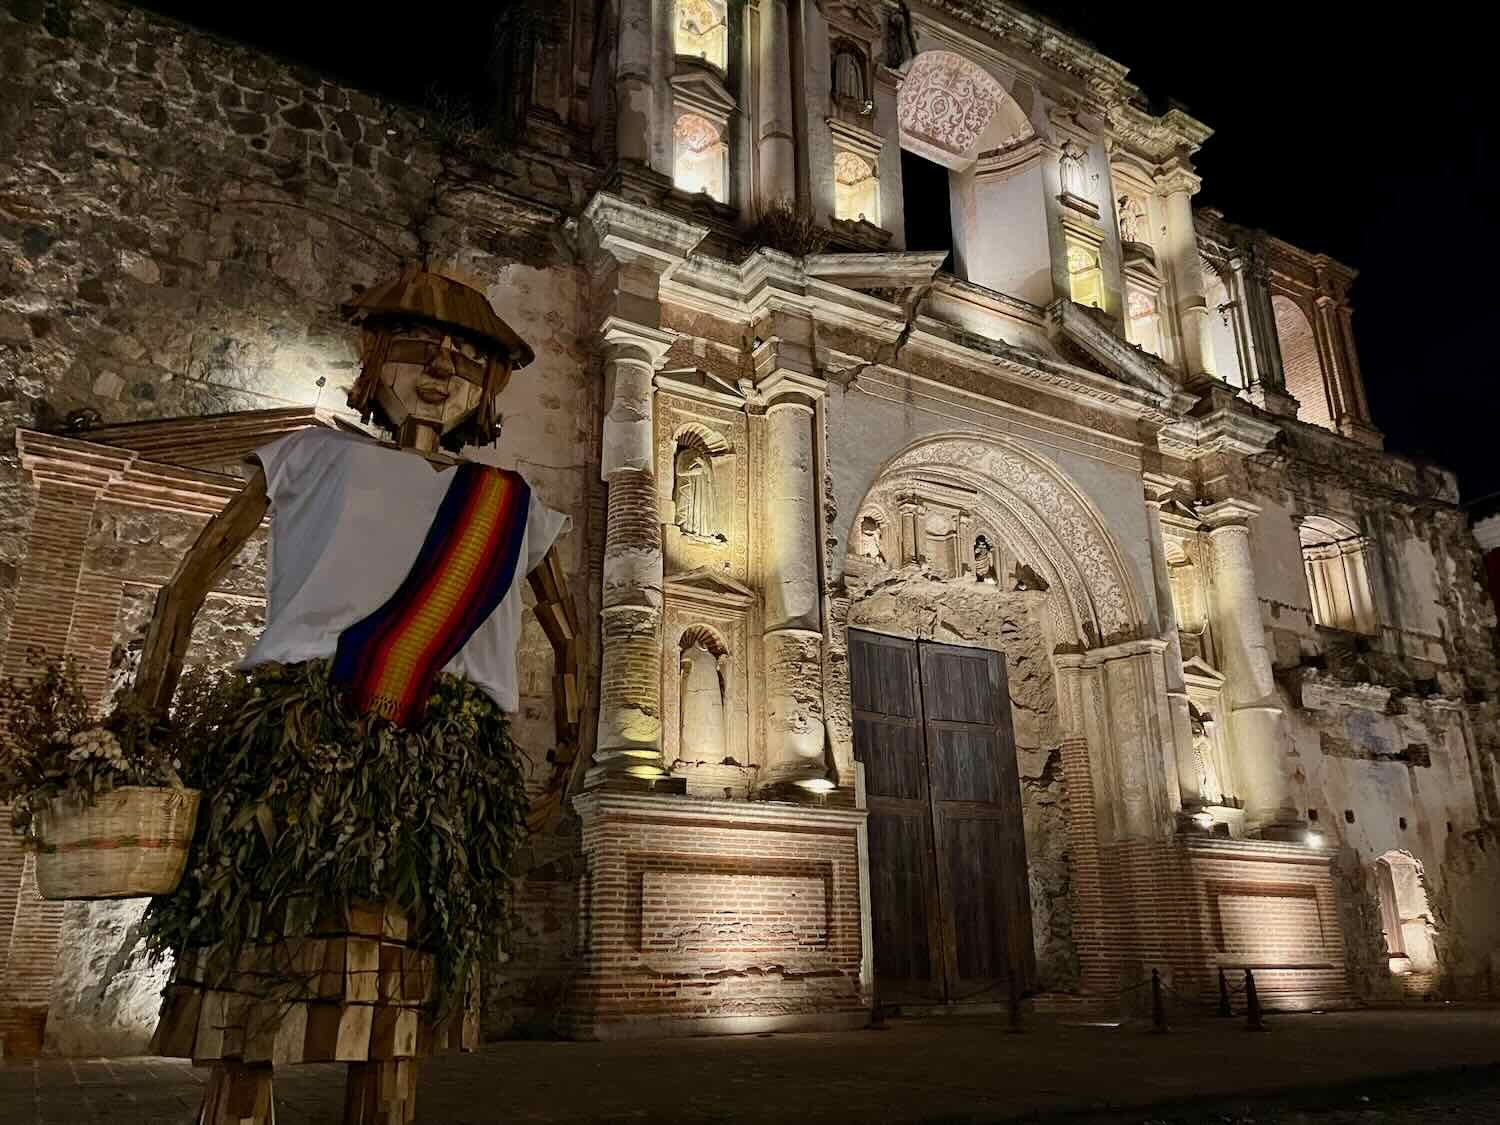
x=1337 y=128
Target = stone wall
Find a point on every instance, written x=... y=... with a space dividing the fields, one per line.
x=180 y=218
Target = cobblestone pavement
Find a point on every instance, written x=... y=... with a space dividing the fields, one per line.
x=1310 y=1068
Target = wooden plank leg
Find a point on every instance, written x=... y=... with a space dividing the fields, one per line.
x=381 y=1093
x=238 y=1094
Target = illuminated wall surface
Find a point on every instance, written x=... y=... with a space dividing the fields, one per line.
x=1249 y=713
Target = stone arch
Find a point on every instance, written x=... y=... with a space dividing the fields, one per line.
x=710 y=638
x=1044 y=520
x=1299 y=359
x=699 y=436
x=951 y=109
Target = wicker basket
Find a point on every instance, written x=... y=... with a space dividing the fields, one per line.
x=131 y=843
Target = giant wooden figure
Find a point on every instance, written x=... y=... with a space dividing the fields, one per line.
x=435 y=356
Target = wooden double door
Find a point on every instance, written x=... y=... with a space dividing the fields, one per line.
x=948 y=887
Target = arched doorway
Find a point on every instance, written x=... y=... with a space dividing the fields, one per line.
x=969 y=562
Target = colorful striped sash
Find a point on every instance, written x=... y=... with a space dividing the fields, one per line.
x=387 y=661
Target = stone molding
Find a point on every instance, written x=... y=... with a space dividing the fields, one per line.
x=800 y=817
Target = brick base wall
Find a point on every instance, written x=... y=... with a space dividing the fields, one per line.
x=1188 y=906
x=701 y=917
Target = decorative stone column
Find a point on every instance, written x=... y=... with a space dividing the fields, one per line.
x=775 y=136
x=1333 y=330
x=1260 y=348
x=793 y=635
x=630 y=667
x=1158 y=490
x=634 y=108
x=1256 y=715
x=1191 y=308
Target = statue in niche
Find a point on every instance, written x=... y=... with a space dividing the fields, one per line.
x=697 y=504
x=849 y=76
x=1210 y=790
x=1026 y=578
x=1072 y=167
x=1132 y=219
x=702 y=726
x=900 y=37
x=984 y=561
x=869 y=540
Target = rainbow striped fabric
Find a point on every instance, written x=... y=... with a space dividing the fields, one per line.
x=388 y=660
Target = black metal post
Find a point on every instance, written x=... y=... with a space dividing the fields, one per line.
x=1224 y=1008
x=1158 y=1005
x=1253 y=1022
x=1014 y=1002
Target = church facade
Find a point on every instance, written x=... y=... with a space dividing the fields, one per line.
x=1020 y=616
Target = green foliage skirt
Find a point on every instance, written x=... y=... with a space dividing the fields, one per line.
x=304 y=800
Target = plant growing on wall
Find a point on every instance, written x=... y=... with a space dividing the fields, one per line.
x=783 y=226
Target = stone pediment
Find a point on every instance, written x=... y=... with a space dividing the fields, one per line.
x=709 y=585
x=699 y=87
x=1196 y=667
x=208 y=441
x=1090 y=331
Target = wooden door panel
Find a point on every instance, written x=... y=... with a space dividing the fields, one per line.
x=963 y=763
x=959 y=684
x=978 y=830
x=888 y=740
x=892 y=754
x=906 y=969
x=949 y=898
x=977 y=854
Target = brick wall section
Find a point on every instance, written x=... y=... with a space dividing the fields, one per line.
x=702 y=916
x=1097 y=955
x=47 y=588
x=1299 y=356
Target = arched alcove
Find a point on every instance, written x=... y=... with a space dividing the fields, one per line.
x=1299 y=359
x=1336 y=563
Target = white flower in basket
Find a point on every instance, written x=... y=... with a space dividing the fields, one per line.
x=106 y=819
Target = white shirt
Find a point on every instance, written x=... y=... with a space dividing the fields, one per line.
x=348 y=518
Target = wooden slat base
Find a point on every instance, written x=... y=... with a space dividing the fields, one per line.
x=238 y=1094
x=381 y=1093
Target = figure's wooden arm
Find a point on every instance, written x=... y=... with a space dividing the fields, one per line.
x=178 y=602
x=559 y=620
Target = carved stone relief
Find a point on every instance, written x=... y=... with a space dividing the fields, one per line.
x=947 y=101
x=1068 y=544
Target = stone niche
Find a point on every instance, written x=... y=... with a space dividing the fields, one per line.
x=917 y=600
x=703 y=486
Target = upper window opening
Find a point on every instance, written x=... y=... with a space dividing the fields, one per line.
x=856 y=190
x=701 y=30
x=1335 y=558
x=700 y=157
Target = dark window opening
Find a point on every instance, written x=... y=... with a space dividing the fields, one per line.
x=925 y=203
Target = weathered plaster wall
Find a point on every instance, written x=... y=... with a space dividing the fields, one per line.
x=912 y=603
x=1393 y=735
x=180 y=218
